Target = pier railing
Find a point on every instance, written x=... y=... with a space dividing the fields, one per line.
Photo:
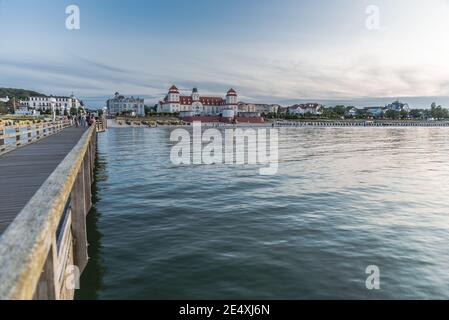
x=102 y=124
x=16 y=135
x=44 y=250
x=360 y=123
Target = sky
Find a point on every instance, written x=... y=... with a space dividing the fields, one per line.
x=275 y=51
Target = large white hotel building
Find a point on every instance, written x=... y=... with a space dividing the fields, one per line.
x=51 y=103
x=120 y=104
x=195 y=104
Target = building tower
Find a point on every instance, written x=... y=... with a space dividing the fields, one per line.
x=195 y=95
x=231 y=100
x=173 y=95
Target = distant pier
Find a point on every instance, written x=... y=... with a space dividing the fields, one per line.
x=322 y=124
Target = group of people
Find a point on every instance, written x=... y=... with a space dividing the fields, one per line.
x=83 y=120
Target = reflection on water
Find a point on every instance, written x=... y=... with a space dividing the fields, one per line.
x=343 y=199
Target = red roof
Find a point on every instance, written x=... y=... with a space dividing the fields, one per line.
x=173 y=89
x=231 y=92
x=212 y=101
x=185 y=100
x=207 y=101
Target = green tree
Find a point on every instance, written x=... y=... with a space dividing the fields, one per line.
x=340 y=110
x=148 y=111
x=73 y=111
x=19 y=94
x=403 y=114
x=392 y=114
x=328 y=113
x=3 y=108
x=416 y=113
x=438 y=112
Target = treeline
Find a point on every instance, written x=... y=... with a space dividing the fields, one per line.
x=344 y=112
x=19 y=94
x=15 y=95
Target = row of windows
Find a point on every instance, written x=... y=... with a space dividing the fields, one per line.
x=47 y=99
x=189 y=108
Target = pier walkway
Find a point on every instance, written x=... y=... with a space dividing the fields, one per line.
x=24 y=170
x=47 y=171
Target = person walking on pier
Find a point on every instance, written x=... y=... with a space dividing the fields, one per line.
x=83 y=121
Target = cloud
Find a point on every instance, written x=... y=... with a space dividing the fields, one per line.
x=335 y=58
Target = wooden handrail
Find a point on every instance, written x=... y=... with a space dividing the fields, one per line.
x=29 y=242
x=32 y=131
x=102 y=124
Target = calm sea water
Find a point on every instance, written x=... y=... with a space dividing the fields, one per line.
x=343 y=199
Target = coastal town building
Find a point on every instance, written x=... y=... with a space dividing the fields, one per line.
x=26 y=111
x=121 y=104
x=195 y=107
x=195 y=104
x=258 y=107
x=283 y=110
x=51 y=103
x=4 y=99
x=374 y=111
x=398 y=106
x=306 y=108
x=351 y=112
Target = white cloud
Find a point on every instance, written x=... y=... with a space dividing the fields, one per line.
x=408 y=56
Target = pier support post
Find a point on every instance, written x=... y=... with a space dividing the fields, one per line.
x=79 y=230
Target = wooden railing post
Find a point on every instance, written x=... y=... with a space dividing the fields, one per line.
x=46 y=288
x=37 y=131
x=18 y=135
x=79 y=214
x=30 y=135
x=2 y=140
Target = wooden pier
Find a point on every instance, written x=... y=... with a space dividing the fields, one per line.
x=359 y=123
x=45 y=196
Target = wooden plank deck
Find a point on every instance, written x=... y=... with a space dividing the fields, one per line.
x=24 y=170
